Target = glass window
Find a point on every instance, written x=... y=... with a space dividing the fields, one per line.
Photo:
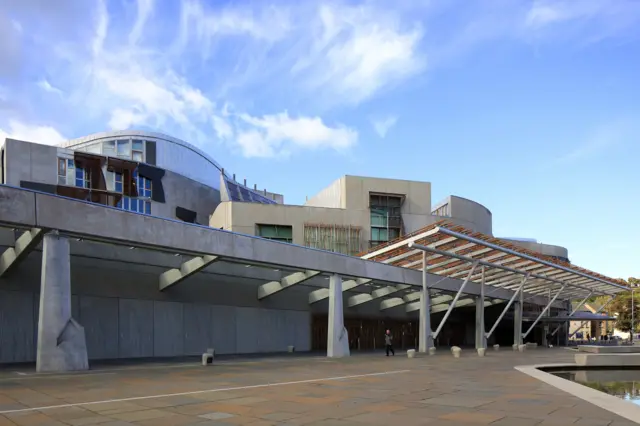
x=276 y=232
x=134 y=205
x=62 y=167
x=125 y=202
x=137 y=156
x=123 y=148
x=147 y=207
x=138 y=145
x=118 y=181
x=109 y=148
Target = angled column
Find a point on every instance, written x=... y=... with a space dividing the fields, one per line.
x=481 y=339
x=61 y=340
x=517 y=319
x=425 y=340
x=337 y=336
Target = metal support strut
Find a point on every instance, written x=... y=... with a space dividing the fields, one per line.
x=553 y=333
x=597 y=312
x=455 y=300
x=506 y=308
x=544 y=311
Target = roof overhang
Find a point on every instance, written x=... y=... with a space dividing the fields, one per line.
x=452 y=250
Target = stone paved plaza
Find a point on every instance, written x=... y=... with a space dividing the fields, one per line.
x=363 y=389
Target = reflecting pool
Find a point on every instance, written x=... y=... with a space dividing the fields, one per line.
x=624 y=384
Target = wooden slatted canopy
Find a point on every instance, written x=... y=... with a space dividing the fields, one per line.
x=454 y=249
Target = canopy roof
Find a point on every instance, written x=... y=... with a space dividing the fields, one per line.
x=456 y=252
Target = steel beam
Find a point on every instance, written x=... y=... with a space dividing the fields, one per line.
x=553 y=333
x=455 y=300
x=544 y=311
x=273 y=287
x=188 y=268
x=23 y=246
x=506 y=308
x=525 y=256
x=596 y=312
x=323 y=293
x=493 y=265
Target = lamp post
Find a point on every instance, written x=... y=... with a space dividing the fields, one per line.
x=633 y=317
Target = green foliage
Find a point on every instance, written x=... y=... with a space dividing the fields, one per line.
x=621 y=306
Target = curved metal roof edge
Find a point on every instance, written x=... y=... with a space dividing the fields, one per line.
x=140 y=133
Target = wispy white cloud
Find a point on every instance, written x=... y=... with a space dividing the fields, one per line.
x=41 y=134
x=606 y=137
x=280 y=134
x=383 y=125
x=47 y=87
x=151 y=70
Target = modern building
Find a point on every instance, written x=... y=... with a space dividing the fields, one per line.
x=170 y=254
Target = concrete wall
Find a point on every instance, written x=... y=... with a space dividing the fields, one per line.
x=125 y=316
x=31 y=162
x=545 y=249
x=468 y=213
x=26 y=161
x=350 y=193
x=187 y=193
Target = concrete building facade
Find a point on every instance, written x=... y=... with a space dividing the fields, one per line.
x=111 y=195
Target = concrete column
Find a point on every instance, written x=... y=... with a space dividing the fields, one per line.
x=481 y=339
x=337 y=336
x=517 y=322
x=425 y=331
x=61 y=340
x=545 y=331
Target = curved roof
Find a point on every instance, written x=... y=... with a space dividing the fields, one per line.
x=142 y=134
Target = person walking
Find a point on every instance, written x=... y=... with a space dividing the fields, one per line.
x=388 y=342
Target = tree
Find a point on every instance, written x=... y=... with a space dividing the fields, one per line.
x=621 y=306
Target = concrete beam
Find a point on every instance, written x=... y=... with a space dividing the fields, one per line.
x=438 y=300
x=323 y=293
x=96 y=223
x=188 y=268
x=359 y=299
x=273 y=287
x=24 y=245
x=397 y=301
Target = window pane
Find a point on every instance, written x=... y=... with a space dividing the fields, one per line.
x=109 y=148
x=79 y=173
x=119 y=187
x=119 y=177
x=124 y=148
x=375 y=235
x=79 y=183
x=126 y=203
x=147 y=184
x=70 y=164
x=134 y=205
x=138 y=145
x=62 y=180
x=147 y=207
x=137 y=156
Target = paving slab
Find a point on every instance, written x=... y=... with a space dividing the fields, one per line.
x=362 y=389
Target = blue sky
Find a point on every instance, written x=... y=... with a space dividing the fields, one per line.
x=528 y=107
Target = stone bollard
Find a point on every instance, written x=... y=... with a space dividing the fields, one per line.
x=432 y=350
x=455 y=350
x=515 y=346
x=207 y=357
x=411 y=353
x=496 y=347
x=481 y=351
x=522 y=348
x=291 y=349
